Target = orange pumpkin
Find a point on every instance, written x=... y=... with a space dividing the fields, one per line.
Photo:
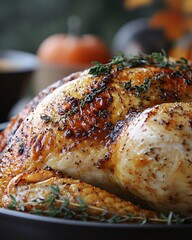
x=68 y=49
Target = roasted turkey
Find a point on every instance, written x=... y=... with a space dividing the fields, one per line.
x=117 y=135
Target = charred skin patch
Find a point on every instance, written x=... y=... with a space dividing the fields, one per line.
x=87 y=117
x=176 y=83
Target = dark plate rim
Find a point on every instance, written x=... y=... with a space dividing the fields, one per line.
x=91 y=224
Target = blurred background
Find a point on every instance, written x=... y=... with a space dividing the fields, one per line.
x=41 y=41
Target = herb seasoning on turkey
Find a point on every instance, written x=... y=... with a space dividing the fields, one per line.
x=111 y=137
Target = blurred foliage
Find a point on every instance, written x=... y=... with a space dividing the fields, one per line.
x=174 y=18
x=24 y=24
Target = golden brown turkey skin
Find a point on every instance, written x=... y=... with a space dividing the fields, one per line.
x=25 y=190
x=73 y=129
x=153 y=157
x=16 y=121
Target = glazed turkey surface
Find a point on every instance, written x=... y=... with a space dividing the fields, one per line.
x=126 y=130
x=15 y=121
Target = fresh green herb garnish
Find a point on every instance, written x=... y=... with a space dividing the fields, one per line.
x=159 y=59
x=58 y=206
x=138 y=89
x=99 y=68
x=91 y=96
x=183 y=63
x=14 y=203
x=81 y=104
x=127 y=85
x=55 y=190
x=45 y=117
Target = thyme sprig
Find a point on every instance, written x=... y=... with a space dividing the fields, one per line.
x=158 y=59
x=89 y=97
x=58 y=206
x=99 y=68
x=137 y=89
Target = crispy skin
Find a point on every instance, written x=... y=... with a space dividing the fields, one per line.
x=16 y=121
x=76 y=129
x=69 y=189
x=153 y=157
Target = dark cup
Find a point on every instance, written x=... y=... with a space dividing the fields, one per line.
x=16 y=68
